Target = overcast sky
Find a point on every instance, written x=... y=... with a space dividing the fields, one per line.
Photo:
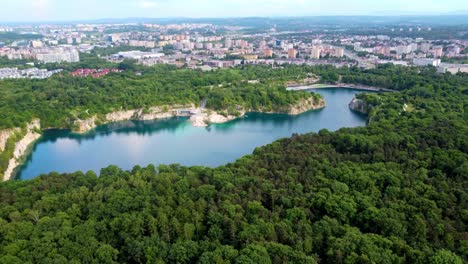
x=54 y=10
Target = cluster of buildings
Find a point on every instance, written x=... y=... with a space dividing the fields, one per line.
x=407 y=49
x=441 y=67
x=95 y=73
x=57 y=55
x=43 y=54
x=32 y=73
x=194 y=50
x=209 y=46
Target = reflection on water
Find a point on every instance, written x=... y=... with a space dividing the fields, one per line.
x=124 y=127
x=175 y=140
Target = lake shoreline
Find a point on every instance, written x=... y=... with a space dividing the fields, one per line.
x=22 y=149
x=198 y=117
x=205 y=118
x=339 y=85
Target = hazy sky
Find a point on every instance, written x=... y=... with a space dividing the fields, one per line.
x=44 y=10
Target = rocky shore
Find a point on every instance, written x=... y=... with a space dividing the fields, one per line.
x=359 y=106
x=306 y=105
x=211 y=117
x=22 y=147
x=198 y=117
x=153 y=113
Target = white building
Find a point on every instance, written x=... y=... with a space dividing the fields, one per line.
x=425 y=47
x=453 y=68
x=403 y=49
x=36 y=44
x=426 y=62
x=137 y=55
x=58 y=55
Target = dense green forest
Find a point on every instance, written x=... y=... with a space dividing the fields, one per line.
x=59 y=100
x=394 y=191
x=9 y=37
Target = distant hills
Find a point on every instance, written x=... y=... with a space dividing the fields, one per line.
x=453 y=18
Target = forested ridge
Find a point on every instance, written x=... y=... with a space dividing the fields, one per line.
x=394 y=191
x=59 y=100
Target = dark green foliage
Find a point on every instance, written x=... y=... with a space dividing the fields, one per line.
x=9 y=37
x=392 y=192
x=60 y=100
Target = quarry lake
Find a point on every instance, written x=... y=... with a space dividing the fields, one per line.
x=175 y=140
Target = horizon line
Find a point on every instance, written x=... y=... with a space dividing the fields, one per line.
x=462 y=13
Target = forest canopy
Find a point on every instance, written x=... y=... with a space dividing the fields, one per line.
x=394 y=191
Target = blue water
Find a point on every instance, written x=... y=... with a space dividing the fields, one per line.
x=175 y=140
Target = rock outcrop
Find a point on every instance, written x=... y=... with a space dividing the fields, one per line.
x=211 y=117
x=305 y=105
x=22 y=147
x=85 y=125
x=153 y=113
x=5 y=135
x=359 y=106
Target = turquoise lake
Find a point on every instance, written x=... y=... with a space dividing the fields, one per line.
x=175 y=140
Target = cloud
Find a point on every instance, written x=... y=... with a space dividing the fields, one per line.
x=147 y=4
x=41 y=4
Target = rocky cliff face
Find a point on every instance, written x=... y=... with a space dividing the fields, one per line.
x=153 y=113
x=306 y=105
x=22 y=146
x=209 y=117
x=5 y=135
x=82 y=126
x=360 y=106
x=120 y=115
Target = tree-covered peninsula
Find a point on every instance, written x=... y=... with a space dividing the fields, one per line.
x=394 y=191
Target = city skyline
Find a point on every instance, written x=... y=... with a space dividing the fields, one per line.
x=65 y=10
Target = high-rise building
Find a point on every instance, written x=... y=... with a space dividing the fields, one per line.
x=315 y=53
x=228 y=43
x=403 y=49
x=114 y=37
x=267 y=52
x=339 y=52
x=189 y=45
x=278 y=43
x=292 y=53
x=425 y=47
x=36 y=43
x=438 y=52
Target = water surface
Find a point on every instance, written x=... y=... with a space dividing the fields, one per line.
x=175 y=140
